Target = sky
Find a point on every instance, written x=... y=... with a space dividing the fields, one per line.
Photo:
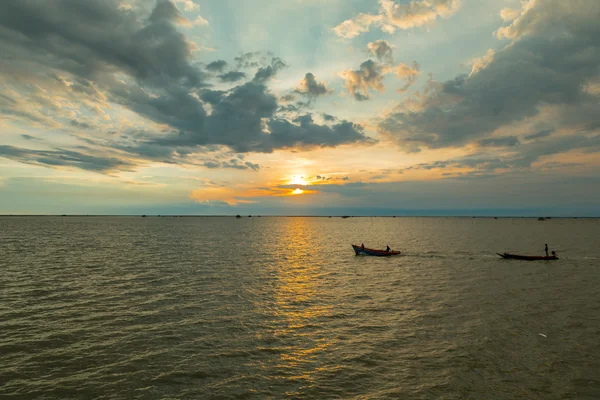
x=300 y=107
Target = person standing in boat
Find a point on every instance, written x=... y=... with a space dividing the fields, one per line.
x=362 y=246
x=546 y=249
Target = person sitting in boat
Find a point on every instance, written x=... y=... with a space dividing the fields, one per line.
x=362 y=246
x=388 y=248
x=546 y=249
x=553 y=254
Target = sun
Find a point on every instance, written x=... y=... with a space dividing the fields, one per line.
x=299 y=180
x=298 y=191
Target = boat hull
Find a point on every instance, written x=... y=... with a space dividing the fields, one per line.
x=527 y=258
x=373 y=252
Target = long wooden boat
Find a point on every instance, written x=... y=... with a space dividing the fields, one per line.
x=373 y=252
x=527 y=258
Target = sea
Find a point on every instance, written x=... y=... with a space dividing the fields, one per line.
x=281 y=308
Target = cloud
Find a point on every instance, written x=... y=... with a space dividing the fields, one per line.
x=165 y=10
x=98 y=54
x=519 y=157
x=234 y=163
x=393 y=15
x=506 y=141
x=189 y=5
x=199 y=21
x=509 y=14
x=408 y=73
x=310 y=87
x=245 y=120
x=540 y=134
x=382 y=50
x=482 y=62
x=368 y=76
x=29 y=137
x=304 y=133
x=141 y=64
x=415 y=13
x=265 y=73
x=354 y=27
x=253 y=59
x=540 y=76
x=217 y=66
x=64 y=158
x=232 y=76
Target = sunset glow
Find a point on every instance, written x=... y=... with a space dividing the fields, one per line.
x=299 y=180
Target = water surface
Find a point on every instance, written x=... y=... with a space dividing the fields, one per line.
x=207 y=307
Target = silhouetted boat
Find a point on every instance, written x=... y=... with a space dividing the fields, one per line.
x=527 y=258
x=373 y=252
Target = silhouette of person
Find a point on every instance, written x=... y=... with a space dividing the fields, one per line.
x=546 y=249
x=362 y=246
x=388 y=248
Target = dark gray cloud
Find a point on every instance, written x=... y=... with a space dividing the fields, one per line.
x=29 y=137
x=554 y=55
x=248 y=60
x=64 y=158
x=234 y=163
x=265 y=73
x=96 y=37
x=165 y=11
x=305 y=133
x=249 y=111
x=217 y=66
x=232 y=76
x=506 y=141
x=212 y=96
x=541 y=134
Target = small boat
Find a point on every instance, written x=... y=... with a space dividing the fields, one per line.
x=527 y=258
x=373 y=252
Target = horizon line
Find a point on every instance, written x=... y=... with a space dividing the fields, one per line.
x=545 y=217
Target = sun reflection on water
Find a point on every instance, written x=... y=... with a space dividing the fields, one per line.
x=298 y=306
